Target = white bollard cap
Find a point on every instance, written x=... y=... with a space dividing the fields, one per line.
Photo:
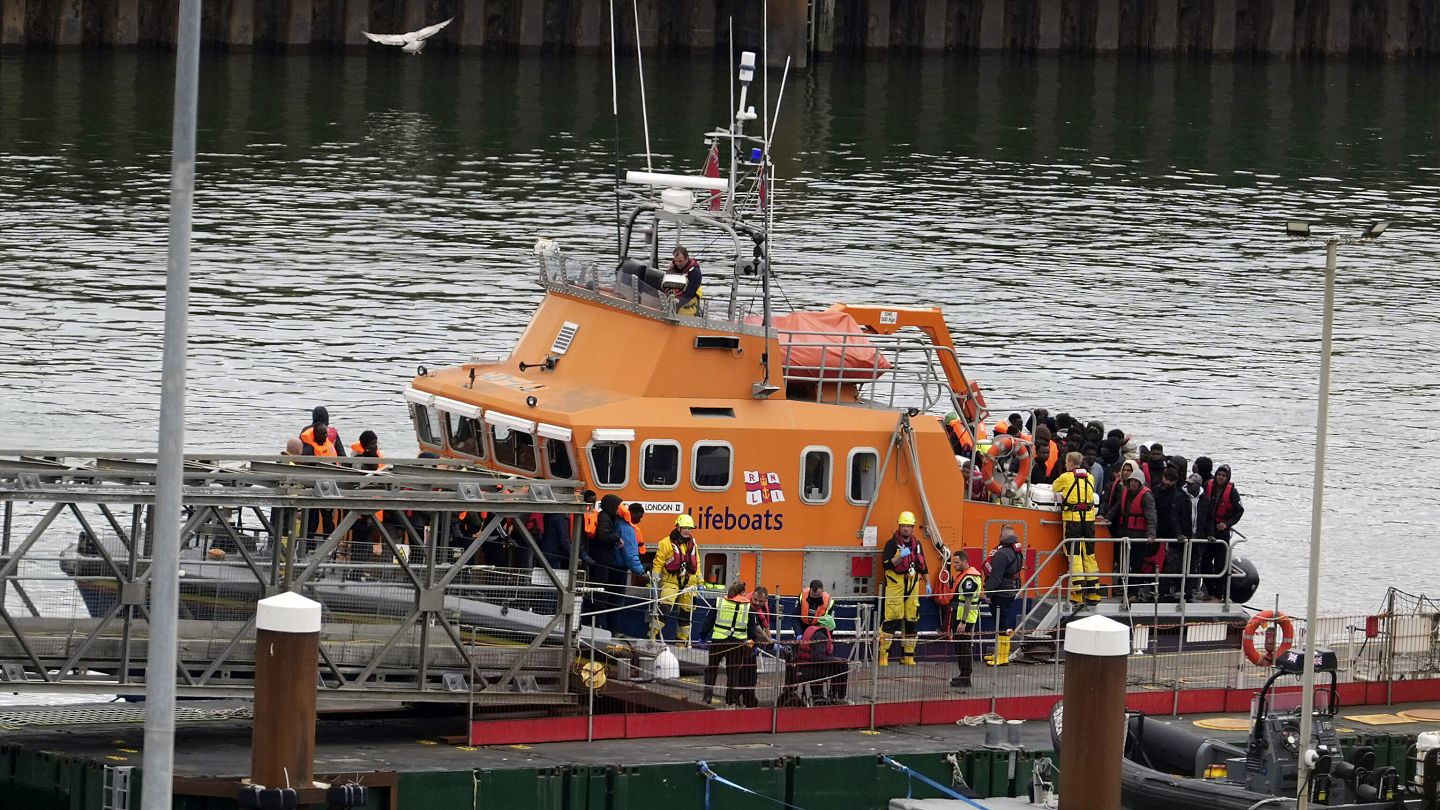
x=1097 y=635
x=288 y=612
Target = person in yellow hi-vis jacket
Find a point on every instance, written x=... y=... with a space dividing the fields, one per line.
x=1075 y=491
x=905 y=572
x=676 y=566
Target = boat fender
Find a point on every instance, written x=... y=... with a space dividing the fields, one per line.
x=1265 y=624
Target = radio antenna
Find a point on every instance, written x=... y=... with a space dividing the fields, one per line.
x=640 y=66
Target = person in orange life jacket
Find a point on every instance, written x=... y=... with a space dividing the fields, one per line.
x=1195 y=522
x=731 y=632
x=1167 y=498
x=634 y=513
x=677 y=565
x=1002 y=589
x=1047 y=457
x=905 y=571
x=586 y=529
x=819 y=667
x=321 y=416
x=1075 y=495
x=687 y=302
x=961 y=442
x=961 y=611
x=1133 y=515
x=324 y=446
x=628 y=557
x=814 y=604
x=367 y=447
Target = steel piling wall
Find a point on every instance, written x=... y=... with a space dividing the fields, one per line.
x=1278 y=28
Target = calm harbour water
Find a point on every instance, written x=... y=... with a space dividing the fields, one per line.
x=1105 y=236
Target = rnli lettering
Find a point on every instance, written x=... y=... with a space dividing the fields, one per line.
x=725 y=520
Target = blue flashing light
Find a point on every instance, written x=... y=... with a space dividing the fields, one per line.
x=755 y=155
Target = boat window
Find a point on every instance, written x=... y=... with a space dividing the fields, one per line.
x=464 y=434
x=610 y=464
x=815 y=464
x=864 y=475
x=513 y=449
x=427 y=424
x=717 y=568
x=559 y=460
x=710 y=468
x=660 y=465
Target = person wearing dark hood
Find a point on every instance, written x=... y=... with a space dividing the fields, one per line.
x=1167 y=498
x=1132 y=514
x=1228 y=511
x=1002 y=588
x=320 y=415
x=605 y=550
x=1205 y=468
x=1195 y=524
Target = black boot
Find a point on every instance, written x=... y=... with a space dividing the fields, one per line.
x=960 y=682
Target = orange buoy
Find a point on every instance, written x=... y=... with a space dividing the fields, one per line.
x=1264 y=624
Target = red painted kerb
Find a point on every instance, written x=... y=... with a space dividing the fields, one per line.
x=916 y=713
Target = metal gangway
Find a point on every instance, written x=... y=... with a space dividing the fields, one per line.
x=431 y=577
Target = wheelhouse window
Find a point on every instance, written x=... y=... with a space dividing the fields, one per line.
x=559 y=460
x=815 y=469
x=864 y=475
x=660 y=465
x=427 y=424
x=610 y=463
x=513 y=448
x=711 y=466
x=464 y=435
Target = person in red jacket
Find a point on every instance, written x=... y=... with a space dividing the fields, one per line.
x=1228 y=510
x=1132 y=514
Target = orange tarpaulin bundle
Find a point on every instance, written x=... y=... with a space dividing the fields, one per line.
x=826 y=347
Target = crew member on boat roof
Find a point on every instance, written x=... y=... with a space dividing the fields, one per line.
x=688 y=301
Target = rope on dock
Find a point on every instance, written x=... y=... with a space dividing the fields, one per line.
x=711 y=776
x=912 y=775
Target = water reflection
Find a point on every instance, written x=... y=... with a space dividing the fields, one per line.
x=1103 y=234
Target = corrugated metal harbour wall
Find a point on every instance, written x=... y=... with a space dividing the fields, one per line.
x=1282 y=28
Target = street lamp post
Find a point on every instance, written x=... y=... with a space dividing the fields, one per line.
x=1301 y=230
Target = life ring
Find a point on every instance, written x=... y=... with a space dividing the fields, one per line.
x=1005 y=446
x=1263 y=624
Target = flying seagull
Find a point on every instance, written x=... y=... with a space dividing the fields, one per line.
x=413 y=42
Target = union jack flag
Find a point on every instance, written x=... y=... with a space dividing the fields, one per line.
x=762 y=488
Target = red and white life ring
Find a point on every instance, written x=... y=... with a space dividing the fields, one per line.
x=1264 y=626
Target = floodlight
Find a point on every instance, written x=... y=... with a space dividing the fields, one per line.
x=1297 y=227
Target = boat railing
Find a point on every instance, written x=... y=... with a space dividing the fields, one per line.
x=900 y=370
x=559 y=271
x=1050 y=603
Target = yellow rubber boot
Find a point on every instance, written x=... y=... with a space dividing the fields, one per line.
x=907 y=643
x=884 y=650
x=1002 y=652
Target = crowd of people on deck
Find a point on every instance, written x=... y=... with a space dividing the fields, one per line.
x=1175 y=511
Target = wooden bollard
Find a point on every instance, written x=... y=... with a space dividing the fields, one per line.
x=1093 y=732
x=287 y=665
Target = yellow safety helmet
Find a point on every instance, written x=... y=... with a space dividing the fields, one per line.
x=685 y=522
x=907 y=519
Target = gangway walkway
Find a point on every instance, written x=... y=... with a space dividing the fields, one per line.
x=422 y=601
